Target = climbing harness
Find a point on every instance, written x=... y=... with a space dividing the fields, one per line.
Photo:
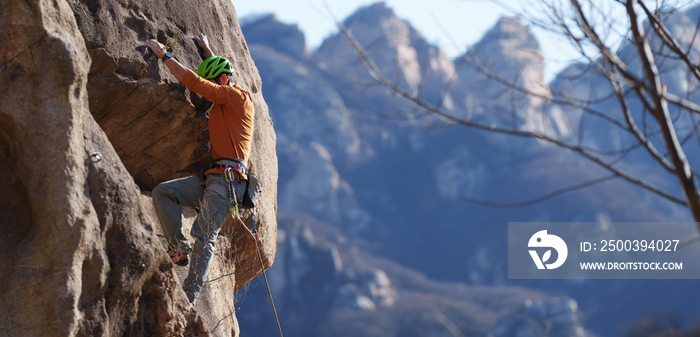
x=227 y=166
x=223 y=164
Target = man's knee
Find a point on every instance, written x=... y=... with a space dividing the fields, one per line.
x=206 y=235
x=161 y=192
x=158 y=190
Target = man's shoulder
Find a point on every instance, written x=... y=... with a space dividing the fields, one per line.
x=240 y=98
x=237 y=90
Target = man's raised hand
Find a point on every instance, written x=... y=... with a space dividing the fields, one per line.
x=202 y=41
x=157 y=48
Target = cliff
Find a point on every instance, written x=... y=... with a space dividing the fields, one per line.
x=87 y=116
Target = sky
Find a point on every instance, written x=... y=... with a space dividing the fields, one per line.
x=449 y=24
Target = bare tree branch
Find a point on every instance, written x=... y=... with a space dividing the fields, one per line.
x=630 y=84
x=640 y=137
x=539 y=199
x=373 y=70
x=683 y=171
x=671 y=42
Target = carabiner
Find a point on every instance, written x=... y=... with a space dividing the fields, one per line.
x=228 y=174
x=234 y=211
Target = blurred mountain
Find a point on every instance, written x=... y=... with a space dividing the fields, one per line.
x=510 y=52
x=400 y=51
x=312 y=123
x=324 y=284
x=391 y=179
x=267 y=30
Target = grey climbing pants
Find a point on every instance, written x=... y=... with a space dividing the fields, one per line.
x=213 y=206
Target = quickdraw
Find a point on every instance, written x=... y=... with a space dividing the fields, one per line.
x=233 y=201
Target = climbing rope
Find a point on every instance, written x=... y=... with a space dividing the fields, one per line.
x=269 y=293
x=255 y=238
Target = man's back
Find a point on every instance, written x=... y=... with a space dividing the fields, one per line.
x=231 y=117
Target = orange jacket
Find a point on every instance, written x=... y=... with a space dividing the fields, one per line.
x=230 y=119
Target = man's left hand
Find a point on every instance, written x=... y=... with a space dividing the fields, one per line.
x=157 y=48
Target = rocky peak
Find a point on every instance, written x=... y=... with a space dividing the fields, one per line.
x=395 y=46
x=370 y=23
x=512 y=29
x=511 y=52
x=373 y=14
x=268 y=30
x=510 y=39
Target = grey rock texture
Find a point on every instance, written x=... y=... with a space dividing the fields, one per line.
x=79 y=256
x=88 y=116
x=366 y=289
x=307 y=107
x=152 y=120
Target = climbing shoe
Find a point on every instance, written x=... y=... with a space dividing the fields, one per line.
x=179 y=256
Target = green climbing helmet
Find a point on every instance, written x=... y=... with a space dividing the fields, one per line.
x=214 y=66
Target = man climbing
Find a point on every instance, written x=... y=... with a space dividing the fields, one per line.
x=230 y=132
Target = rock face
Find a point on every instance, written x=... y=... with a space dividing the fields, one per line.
x=79 y=256
x=155 y=124
x=87 y=117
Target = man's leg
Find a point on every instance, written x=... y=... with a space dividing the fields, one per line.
x=168 y=199
x=206 y=228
